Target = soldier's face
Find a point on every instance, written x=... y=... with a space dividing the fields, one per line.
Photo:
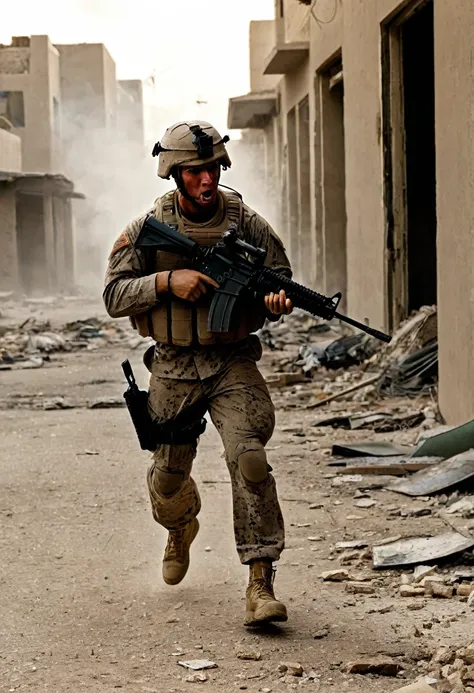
x=201 y=183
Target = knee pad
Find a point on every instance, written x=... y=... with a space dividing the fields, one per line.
x=167 y=480
x=252 y=461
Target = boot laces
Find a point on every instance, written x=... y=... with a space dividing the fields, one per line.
x=175 y=547
x=262 y=587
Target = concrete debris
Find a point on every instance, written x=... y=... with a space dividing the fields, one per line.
x=34 y=336
x=341 y=353
x=438 y=477
x=417 y=687
x=365 y=503
x=291 y=668
x=453 y=669
x=380 y=666
x=250 y=655
x=422 y=571
x=198 y=664
x=335 y=575
x=413 y=550
x=410 y=591
x=196 y=678
x=354 y=587
x=380 y=422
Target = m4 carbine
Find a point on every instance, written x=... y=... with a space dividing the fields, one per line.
x=239 y=269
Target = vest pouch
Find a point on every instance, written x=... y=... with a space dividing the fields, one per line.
x=159 y=323
x=181 y=323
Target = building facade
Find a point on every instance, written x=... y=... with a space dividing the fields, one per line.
x=63 y=107
x=30 y=99
x=36 y=229
x=374 y=133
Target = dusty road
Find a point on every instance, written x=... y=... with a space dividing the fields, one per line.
x=83 y=606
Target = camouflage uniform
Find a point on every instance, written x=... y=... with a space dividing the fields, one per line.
x=226 y=380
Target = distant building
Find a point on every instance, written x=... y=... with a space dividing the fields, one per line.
x=36 y=230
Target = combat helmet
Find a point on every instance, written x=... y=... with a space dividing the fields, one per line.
x=192 y=143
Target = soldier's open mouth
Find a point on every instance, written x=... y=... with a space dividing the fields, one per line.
x=206 y=195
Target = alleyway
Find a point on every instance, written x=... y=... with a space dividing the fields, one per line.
x=82 y=603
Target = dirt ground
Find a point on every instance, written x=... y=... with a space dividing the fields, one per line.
x=83 y=605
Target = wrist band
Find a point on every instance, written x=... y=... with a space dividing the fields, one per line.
x=169 y=280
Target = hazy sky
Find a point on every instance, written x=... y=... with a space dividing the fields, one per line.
x=195 y=49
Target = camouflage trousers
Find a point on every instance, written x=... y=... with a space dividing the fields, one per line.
x=240 y=407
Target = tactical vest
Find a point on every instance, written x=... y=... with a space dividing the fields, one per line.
x=179 y=322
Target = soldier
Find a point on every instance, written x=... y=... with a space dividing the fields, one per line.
x=193 y=369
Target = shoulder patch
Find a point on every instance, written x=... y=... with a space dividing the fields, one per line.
x=121 y=242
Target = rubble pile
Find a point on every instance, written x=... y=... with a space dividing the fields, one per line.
x=451 y=670
x=352 y=366
x=29 y=344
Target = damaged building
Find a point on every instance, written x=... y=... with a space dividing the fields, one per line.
x=364 y=110
x=36 y=218
x=64 y=117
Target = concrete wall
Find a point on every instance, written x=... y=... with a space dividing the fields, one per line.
x=40 y=85
x=9 y=279
x=83 y=79
x=355 y=30
x=364 y=163
x=261 y=43
x=110 y=89
x=10 y=151
x=130 y=112
x=454 y=86
x=296 y=21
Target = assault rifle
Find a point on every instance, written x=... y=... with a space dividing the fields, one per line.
x=238 y=268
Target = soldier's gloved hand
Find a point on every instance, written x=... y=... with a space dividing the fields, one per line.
x=278 y=304
x=189 y=284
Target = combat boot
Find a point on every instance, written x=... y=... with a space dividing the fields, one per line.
x=261 y=604
x=176 y=558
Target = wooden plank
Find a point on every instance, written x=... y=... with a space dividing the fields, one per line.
x=392 y=466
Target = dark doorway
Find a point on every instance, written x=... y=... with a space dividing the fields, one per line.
x=417 y=39
x=31 y=243
x=409 y=159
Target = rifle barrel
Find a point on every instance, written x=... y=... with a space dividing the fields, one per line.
x=370 y=330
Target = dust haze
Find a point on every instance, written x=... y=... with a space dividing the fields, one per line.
x=190 y=64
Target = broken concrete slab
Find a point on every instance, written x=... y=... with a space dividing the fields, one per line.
x=438 y=477
x=413 y=550
x=381 y=666
x=198 y=664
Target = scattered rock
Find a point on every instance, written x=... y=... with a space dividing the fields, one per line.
x=196 y=678
x=365 y=503
x=444 y=655
x=248 y=655
x=437 y=589
x=359 y=588
x=320 y=634
x=291 y=668
x=410 y=591
x=422 y=571
x=198 y=664
x=382 y=666
x=335 y=575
